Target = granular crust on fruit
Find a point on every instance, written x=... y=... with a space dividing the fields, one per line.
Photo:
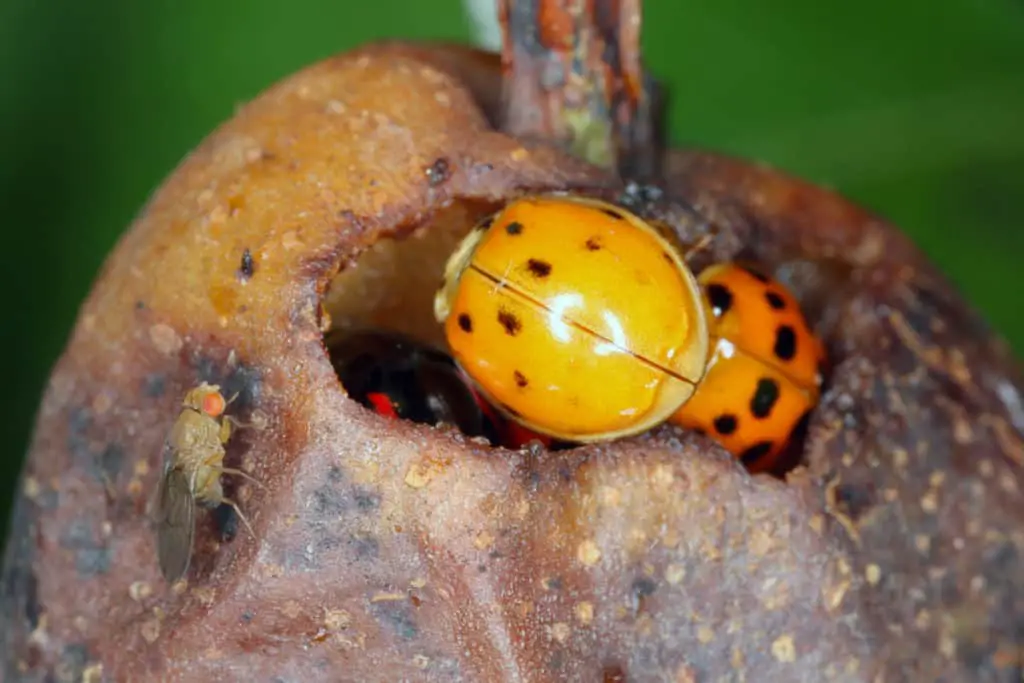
x=389 y=551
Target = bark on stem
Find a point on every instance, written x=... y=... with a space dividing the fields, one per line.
x=572 y=75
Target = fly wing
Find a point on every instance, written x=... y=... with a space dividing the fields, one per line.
x=174 y=517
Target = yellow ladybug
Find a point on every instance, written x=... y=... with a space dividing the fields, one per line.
x=575 y=318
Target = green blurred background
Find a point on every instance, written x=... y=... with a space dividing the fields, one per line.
x=915 y=109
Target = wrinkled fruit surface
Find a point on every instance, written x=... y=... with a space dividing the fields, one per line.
x=392 y=551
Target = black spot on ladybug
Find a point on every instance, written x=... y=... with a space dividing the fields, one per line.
x=593 y=244
x=465 y=322
x=720 y=298
x=247 y=267
x=765 y=397
x=510 y=322
x=538 y=268
x=760 y=277
x=775 y=301
x=520 y=379
x=725 y=424
x=756 y=452
x=614 y=214
x=785 y=342
x=514 y=228
x=438 y=172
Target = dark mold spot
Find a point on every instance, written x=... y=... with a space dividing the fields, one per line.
x=725 y=424
x=240 y=383
x=92 y=561
x=438 y=172
x=226 y=520
x=613 y=214
x=465 y=322
x=365 y=547
x=328 y=501
x=593 y=244
x=396 y=615
x=30 y=592
x=538 y=268
x=755 y=452
x=110 y=461
x=140 y=305
x=247 y=267
x=855 y=499
x=243 y=384
x=509 y=322
x=248 y=616
x=765 y=397
x=720 y=298
x=154 y=385
x=785 y=343
x=79 y=420
x=520 y=379
x=514 y=228
x=367 y=501
x=644 y=587
x=18 y=584
x=775 y=301
x=72 y=662
x=91 y=557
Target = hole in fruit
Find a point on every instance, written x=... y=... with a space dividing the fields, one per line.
x=383 y=341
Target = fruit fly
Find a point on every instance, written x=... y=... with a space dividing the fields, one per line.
x=193 y=463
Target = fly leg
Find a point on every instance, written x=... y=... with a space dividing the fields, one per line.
x=238 y=511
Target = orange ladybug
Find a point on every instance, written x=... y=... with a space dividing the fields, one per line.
x=575 y=318
x=764 y=371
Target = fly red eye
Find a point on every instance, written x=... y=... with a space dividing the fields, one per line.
x=213 y=404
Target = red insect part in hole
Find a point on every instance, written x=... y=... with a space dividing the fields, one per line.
x=402 y=378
